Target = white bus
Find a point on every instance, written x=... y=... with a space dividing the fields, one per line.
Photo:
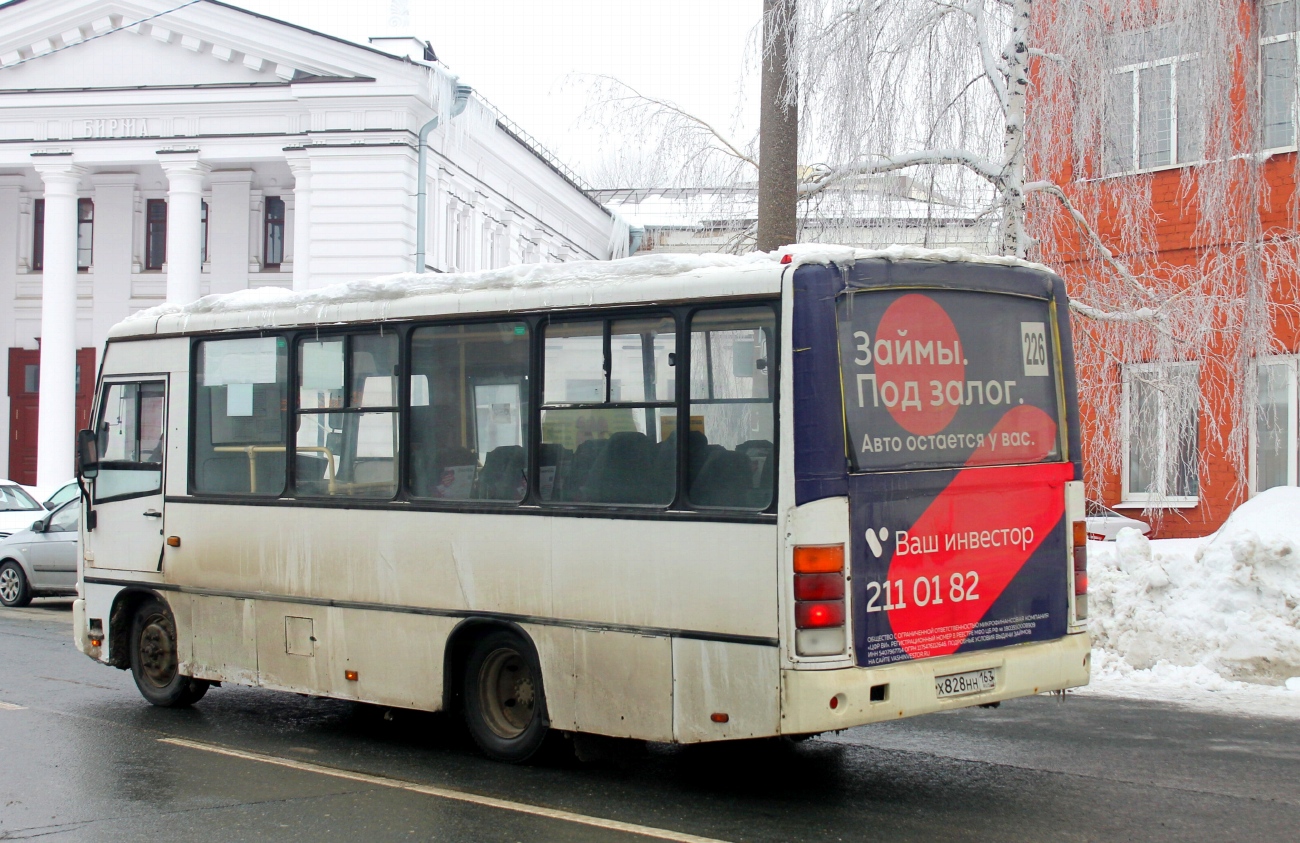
x=478 y=493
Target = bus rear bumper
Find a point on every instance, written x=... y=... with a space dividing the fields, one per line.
x=907 y=689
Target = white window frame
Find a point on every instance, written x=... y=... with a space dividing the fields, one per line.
x=1157 y=499
x=1295 y=45
x=1135 y=138
x=1292 y=362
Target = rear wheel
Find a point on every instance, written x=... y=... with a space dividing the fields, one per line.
x=15 y=591
x=505 y=707
x=155 y=661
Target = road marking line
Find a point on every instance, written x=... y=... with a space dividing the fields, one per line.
x=446 y=793
x=4 y=706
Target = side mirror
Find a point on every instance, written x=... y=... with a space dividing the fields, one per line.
x=48 y=505
x=38 y=526
x=87 y=454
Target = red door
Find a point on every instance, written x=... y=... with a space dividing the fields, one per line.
x=24 y=378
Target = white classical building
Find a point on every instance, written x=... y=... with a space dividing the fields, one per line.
x=157 y=150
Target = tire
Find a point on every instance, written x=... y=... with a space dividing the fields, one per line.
x=154 y=661
x=505 y=707
x=15 y=591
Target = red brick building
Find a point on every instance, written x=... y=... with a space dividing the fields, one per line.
x=1233 y=389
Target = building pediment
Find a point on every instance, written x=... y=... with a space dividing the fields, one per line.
x=100 y=44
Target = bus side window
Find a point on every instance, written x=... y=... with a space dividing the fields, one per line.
x=346 y=442
x=609 y=411
x=731 y=450
x=241 y=389
x=469 y=412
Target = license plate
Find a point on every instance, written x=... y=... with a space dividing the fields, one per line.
x=960 y=684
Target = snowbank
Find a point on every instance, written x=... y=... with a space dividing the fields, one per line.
x=1188 y=618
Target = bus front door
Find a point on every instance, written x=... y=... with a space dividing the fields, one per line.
x=128 y=493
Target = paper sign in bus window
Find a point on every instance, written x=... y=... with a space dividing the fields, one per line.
x=322 y=365
x=247 y=361
x=239 y=399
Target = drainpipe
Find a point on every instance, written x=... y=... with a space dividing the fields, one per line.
x=636 y=235
x=422 y=192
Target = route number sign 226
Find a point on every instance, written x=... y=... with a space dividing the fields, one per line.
x=1033 y=343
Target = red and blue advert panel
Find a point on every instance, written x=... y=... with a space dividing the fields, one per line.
x=953 y=418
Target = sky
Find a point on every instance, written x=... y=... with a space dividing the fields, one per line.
x=534 y=59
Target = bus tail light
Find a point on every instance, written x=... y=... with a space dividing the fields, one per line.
x=819 y=600
x=1080 y=570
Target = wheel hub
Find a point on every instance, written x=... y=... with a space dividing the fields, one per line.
x=507 y=693
x=9 y=585
x=157 y=652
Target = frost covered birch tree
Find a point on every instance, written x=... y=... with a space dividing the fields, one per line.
x=1056 y=120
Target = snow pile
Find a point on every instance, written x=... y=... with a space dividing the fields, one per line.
x=1218 y=614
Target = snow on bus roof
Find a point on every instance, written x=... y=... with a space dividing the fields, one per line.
x=571 y=284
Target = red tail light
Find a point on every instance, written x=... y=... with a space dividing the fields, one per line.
x=818 y=586
x=818 y=614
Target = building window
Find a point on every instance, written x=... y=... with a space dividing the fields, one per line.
x=1279 y=23
x=155 y=239
x=203 y=224
x=273 y=236
x=1152 y=114
x=85 y=233
x=1273 y=443
x=1161 y=433
x=38 y=235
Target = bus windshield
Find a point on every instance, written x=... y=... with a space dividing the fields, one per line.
x=937 y=378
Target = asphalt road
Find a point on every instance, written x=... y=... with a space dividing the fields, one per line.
x=83 y=757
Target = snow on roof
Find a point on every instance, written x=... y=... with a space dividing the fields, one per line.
x=653 y=277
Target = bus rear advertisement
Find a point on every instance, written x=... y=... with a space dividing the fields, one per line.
x=674 y=498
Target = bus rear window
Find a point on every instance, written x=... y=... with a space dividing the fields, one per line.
x=948 y=378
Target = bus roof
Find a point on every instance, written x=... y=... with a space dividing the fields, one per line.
x=649 y=278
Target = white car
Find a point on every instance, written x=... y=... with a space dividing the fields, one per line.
x=1105 y=523
x=68 y=491
x=18 y=509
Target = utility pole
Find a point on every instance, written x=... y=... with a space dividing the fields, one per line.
x=778 y=133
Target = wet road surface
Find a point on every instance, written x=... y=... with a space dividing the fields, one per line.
x=83 y=757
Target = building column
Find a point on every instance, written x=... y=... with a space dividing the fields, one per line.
x=57 y=418
x=114 y=243
x=229 y=229
x=300 y=166
x=184 y=225
x=10 y=237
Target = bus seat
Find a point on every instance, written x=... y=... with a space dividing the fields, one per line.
x=760 y=453
x=224 y=473
x=502 y=477
x=554 y=460
x=578 y=473
x=623 y=473
x=725 y=480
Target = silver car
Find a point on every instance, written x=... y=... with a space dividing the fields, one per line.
x=1105 y=523
x=41 y=561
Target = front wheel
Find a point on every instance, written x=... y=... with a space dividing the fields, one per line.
x=155 y=662
x=15 y=591
x=505 y=707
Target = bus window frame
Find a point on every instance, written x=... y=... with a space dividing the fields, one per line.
x=680 y=509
